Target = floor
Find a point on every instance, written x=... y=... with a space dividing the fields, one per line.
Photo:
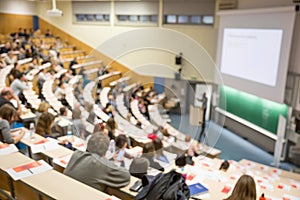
x=232 y=146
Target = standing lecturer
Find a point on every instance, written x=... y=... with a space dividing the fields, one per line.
x=204 y=106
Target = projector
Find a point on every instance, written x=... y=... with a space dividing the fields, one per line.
x=54 y=13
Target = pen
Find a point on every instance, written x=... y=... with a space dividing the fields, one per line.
x=30 y=171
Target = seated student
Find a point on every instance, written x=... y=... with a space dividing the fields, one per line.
x=149 y=153
x=121 y=144
x=7 y=116
x=92 y=168
x=43 y=107
x=73 y=62
x=18 y=85
x=78 y=124
x=158 y=145
x=109 y=109
x=45 y=124
x=6 y=95
x=111 y=126
x=63 y=112
x=60 y=90
x=244 y=189
x=139 y=167
x=90 y=108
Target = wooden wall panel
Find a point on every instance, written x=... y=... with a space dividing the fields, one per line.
x=11 y=22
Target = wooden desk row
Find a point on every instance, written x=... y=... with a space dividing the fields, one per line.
x=46 y=185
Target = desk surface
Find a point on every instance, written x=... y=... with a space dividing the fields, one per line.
x=61 y=186
x=12 y=160
x=60 y=151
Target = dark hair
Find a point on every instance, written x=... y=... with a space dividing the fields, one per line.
x=225 y=165
x=158 y=146
x=60 y=83
x=111 y=124
x=43 y=126
x=5 y=91
x=18 y=74
x=121 y=140
x=149 y=149
x=62 y=110
x=7 y=112
x=180 y=160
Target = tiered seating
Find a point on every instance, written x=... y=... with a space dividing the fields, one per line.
x=140 y=117
x=3 y=74
x=103 y=96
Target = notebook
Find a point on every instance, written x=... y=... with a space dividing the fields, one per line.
x=197 y=188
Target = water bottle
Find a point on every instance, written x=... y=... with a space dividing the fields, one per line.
x=69 y=132
x=31 y=131
x=112 y=146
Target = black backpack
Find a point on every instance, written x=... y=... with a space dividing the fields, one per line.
x=169 y=186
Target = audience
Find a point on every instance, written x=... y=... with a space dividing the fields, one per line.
x=92 y=168
x=7 y=116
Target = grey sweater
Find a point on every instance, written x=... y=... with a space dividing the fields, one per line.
x=5 y=132
x=96 y=171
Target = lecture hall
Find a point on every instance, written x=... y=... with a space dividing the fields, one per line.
x=149 y=99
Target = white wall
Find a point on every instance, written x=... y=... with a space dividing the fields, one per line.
x=95 y=35
x=18 y=7
x=247 y=4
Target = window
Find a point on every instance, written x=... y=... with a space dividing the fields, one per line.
x=80 y=17
x=183 y=19
x=87 y=18
x=192 y=20
x=137 y=19
x=171 y=19
x=133 y=18
x=154 y=18
x=99 y=17
x=144 y=18
x=208 y=19
x=195 y=19
x=90 y=17
x=106 y=17
x=122 y=18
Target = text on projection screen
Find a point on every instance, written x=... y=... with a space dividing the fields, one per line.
x=252 y=54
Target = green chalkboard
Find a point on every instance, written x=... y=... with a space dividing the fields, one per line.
x=262 y=112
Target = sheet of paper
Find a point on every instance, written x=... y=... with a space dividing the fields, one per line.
x=63 y=160
x=44 y=145
x=289 y=197
x=112 y=198
x=8 y=149
x=28 y=169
